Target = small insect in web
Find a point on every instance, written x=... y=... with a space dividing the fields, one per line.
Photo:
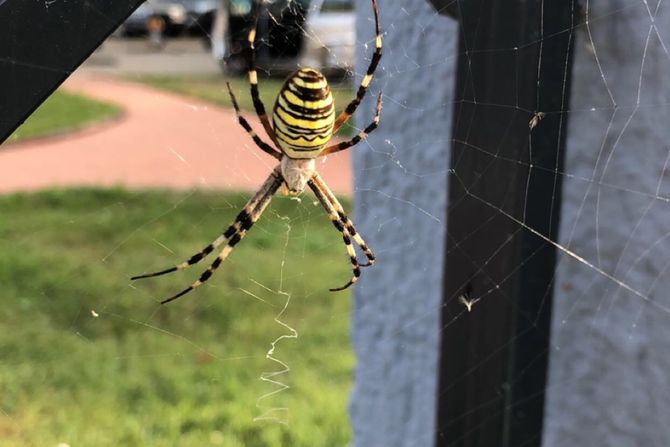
x=303 y=122
x=535 y=120
x=464 y=298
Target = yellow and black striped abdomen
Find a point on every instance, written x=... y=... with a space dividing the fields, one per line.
x=304 y=114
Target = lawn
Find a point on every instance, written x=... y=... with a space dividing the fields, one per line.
x=89 y=359
x=64 y=112
x=213 y=89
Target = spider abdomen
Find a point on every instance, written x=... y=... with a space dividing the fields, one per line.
x=304 y=114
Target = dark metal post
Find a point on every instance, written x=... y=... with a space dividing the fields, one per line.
x=514 y=64
x=42 y=42
x=446 y=7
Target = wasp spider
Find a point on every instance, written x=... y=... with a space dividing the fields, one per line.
x=303 y=122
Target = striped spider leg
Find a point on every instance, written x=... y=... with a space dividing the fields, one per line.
x=318 y=182
x=253 y=76
x=362 y=135
x=334 y=217
x=343 y=220
x=243 y=122
x=365 y=82
x=243 y=222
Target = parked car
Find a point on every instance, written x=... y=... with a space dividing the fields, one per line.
x=179 y=16
x=330 y=36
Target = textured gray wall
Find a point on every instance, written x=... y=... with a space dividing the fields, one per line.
x=400 y=197
x=609 y=381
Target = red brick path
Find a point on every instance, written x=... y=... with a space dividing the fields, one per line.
x=163 y=140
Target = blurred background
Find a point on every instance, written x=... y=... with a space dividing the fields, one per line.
x=515 y=195
x=134 y=163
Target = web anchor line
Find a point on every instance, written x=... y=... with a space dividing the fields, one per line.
x=565 y=250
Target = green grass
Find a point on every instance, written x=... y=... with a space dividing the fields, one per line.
x=64 y=112
x=185 y=374
x=213 y=89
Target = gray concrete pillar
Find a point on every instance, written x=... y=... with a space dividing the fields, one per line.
x=399 y=207
x=609 y=379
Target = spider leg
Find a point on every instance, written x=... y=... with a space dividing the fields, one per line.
x=346 y=237
x=365 y=82
x=241 y=221
x=253 y=76
x=362 y=135
x=243 y=122
x=244 y=221
x=343 y=219
x=268 y=189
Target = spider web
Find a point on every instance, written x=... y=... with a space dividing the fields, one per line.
x=608 y=347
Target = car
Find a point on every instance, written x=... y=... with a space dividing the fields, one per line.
x=330 y=36
x=178 y=16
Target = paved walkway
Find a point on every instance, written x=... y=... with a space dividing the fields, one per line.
x=162 y=141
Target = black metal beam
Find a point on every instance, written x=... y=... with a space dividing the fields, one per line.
x=41 y=44
x=494 y=357
x=446 y=7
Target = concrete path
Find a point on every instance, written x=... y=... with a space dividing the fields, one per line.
x=162 y=141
